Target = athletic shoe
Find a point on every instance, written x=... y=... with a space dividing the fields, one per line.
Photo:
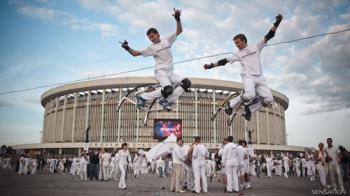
x=247 y=114
x=228 y=109
x=141 y=102
x=166 y=105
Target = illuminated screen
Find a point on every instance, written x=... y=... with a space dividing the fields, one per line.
x=165 y=127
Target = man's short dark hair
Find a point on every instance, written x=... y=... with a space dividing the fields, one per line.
x=178 y=139
x=197 y=139
x=152 y=30
x=124 y=144
x=242 y=37
x=329 y=139
x=240 y=142
x=230 y=138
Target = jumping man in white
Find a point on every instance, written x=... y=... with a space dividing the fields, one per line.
x=172 y=85
x=252 y=75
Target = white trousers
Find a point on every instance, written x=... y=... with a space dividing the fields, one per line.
x=33 y=170
x=298 y=170
x=232 y=178
x=269 y=169
x=165 y=78
x=106 y=171
x=122 y=183
x=189 y=178
x=322 y=173
x=335 y=169
x=253 y=86
x=83 y=172
x=199 y=175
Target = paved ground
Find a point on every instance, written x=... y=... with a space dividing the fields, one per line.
x=58 y=184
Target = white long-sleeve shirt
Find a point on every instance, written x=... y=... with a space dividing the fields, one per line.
x=230 y=154
x=200 y=153
x=124 y=157
x=178 y=155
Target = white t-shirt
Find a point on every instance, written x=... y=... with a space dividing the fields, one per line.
x=249 y=57
x=333 y=153
x=161 y=53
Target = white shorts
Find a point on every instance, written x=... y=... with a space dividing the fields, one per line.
x=244 y=169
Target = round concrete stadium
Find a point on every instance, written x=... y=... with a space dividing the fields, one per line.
x=71 y=108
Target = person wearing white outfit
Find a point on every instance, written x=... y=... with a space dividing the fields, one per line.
x=74 y=167
x=159 y=167
x=223 y=172
x=285 y=165
x=34 y=165
x=245 y=170
x=320 y=166
x=172 y=85
x=113 y=165
x=189 y=169
x=21 y=165
x=178 y=156
x=296 y=163
x=333 y=160
x=269 y=163
x=83 y=159
x=253 y=80
x=137 y=164
x=106 y=158
x=144 y=169
x=27 y=161
x=303 y=166
x=123 y=158
x=230 y=163
x=200 y=154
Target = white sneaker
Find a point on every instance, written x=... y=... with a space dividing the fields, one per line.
x=248 y=186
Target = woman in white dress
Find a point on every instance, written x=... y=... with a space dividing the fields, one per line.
x=123 y=158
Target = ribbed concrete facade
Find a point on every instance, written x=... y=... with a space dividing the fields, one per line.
x=70 y=108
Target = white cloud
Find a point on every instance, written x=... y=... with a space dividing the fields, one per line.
x=66 y=19
x=39 y=12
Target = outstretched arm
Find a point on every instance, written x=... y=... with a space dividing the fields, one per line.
x=272 y=31
x=176 y=15
x=221 y=62
x=131 y=51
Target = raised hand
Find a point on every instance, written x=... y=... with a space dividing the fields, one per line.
x=177 y=14
x=279 y=18
x=125 y=45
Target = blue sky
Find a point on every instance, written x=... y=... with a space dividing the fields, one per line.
x=46 y=42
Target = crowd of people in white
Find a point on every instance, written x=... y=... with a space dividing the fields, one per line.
x=191 y=167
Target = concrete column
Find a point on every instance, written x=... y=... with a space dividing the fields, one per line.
x=87 y=116
x=102 y=115
x=137 y=125
x=55 y=121
x=74 y=114
x=119 y=114
x=63 y=116
x=196 y=111
x=214 y=122
x=257 y=127
x=268 y=126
